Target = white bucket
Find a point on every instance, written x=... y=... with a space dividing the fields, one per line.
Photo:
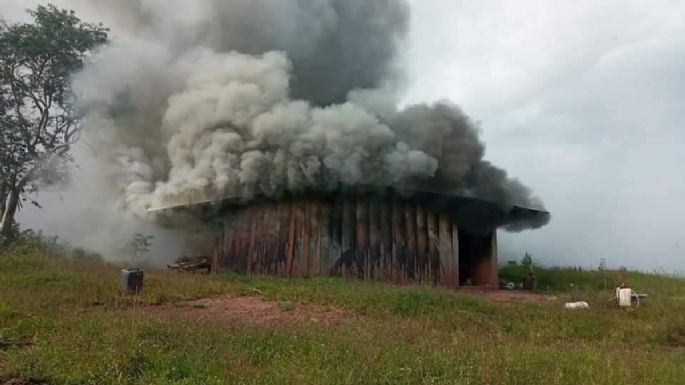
x=624 y=296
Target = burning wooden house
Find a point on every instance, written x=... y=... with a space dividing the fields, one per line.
x=381 y=234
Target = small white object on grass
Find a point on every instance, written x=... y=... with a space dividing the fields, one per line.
x=576 y=305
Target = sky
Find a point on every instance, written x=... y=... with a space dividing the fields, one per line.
x=584 y=101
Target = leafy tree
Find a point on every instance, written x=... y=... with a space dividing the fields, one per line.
x=38 y=120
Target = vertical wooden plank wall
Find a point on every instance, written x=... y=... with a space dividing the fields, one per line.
x=434 y=268
x=347 y=258
x=373 y=237
x=252 y=256
x=324 y=247
x=449 y=273
x=362 y=237
x=410 y=235
x=305 y=240
x=298 y=266
x=455 y=254
x=421 y=245
x=291 y=241
x=386 y=240
x=399 y=242
x=373 y=254
x=335 y=228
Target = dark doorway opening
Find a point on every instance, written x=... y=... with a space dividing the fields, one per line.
x=475 y=259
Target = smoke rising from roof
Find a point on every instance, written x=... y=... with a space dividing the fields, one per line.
x=209 y=98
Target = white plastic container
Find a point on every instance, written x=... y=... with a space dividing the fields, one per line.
x=131 y=281
x=624 y=296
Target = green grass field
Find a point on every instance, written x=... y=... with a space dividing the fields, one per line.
x=62 y=322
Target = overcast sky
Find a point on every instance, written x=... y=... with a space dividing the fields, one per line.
x=584 y=101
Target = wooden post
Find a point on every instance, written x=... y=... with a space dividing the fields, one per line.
x=283 y=238
x=434 y=265
x=299 y=264
x=305 y=235
x=421 y=244
x=271 y=250
x=291 y=240
x=362 y=237
x=374 y=239
x=247 y=215
x=410 y=222
x=229 y=258
x=348 y=232
x=325 y=250
x=455 y=255
x=252 y=263
x=386 y=238
x=399 y=242
x=314 y=240
x=445 y=249
x=242 y=241
x=336 y=230
x=216 y=255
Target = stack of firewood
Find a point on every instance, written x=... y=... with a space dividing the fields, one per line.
x=193 y=264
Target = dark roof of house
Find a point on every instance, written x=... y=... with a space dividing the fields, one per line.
x=472 y=213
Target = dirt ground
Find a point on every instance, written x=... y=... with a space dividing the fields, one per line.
x=253 y=310
x=258 y=311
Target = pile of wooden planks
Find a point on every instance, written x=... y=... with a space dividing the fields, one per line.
x=193 y=264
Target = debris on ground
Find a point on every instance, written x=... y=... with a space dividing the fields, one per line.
x=530 y=282
x=193 y=264
x=576 y=305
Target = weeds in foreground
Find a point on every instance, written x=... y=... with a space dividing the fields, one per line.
x=63 y=322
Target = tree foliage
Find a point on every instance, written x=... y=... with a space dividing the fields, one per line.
x=38 y=119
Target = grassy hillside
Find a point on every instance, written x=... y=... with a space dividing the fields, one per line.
x=62 y=322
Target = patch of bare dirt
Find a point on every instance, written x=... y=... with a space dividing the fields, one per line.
x=253 y=310
x=516 y=296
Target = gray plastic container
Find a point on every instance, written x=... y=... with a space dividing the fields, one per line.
x=131 y=281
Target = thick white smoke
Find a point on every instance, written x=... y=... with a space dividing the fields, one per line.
x=207 y=99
